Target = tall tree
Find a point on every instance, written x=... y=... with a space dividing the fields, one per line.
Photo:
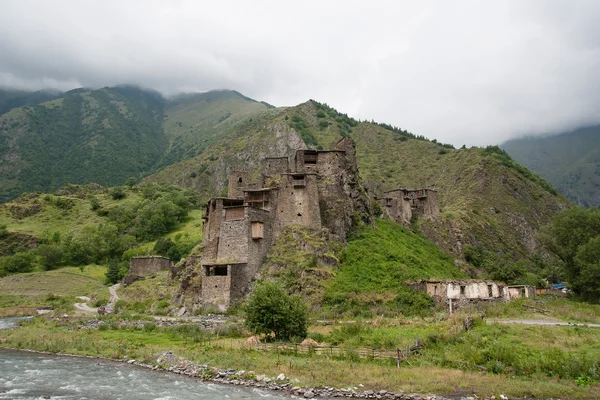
x=574 y=237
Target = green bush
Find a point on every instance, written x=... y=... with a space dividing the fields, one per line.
x=20 y=262
x=50 y=256
x=116 y=271
x=117 y=193
x=94 y=203
x=130 y=182
x=271 y=311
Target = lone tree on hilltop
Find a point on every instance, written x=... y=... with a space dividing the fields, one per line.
x=272 y=311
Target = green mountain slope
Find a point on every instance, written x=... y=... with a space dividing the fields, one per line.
x=108 y=135
x=486 y=200
x=10 y=98
x=102 y=136
x=569 y=161
x=195 y=121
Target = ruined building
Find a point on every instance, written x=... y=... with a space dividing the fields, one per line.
x=140 y=267
x=401 y=205
x=314 y=189
x=457 y=293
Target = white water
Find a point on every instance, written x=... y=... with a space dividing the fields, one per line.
x=26 y=375
x=12 y=322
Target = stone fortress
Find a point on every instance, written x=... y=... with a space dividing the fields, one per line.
x=314 y=189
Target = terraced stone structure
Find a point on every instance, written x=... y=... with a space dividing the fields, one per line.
x=315 y=189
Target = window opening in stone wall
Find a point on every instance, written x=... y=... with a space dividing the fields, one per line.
x=435 y=290
x=523 y=292
x=298 y=181
x=258 y=230
x=490 y=291
x=221 y=271
x=216 y=270
x=234 y=213
x=310 y=157
x=240 y=181
x=232 y=202
x=463 y=290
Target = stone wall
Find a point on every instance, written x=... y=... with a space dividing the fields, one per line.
x=140 y=267
x=275 y=166
x=520 y=291
x=233 y=240
x=295 y=205
x=322 y=191
x=238 y=180
x=461 y=292
x=395 y=207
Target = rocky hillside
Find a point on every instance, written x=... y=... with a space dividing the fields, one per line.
x=108 y=135
x=487 y=200
x=569 y=161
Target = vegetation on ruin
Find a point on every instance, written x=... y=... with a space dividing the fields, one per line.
x=375 y=267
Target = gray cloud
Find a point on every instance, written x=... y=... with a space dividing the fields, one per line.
x=464 y=72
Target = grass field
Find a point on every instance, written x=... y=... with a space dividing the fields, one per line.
x=425 y=375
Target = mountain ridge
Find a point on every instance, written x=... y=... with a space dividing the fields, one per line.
x=570 y=161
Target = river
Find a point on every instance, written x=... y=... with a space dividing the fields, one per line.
x=25 y=375
x=12 y=322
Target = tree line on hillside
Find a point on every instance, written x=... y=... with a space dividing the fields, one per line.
x=574 y=237
x=113 y=242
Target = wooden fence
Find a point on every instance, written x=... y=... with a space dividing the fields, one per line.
x=338 y=352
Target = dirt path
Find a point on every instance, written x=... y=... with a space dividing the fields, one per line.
x=539 y=322
x=114 y=297
x=85 y=308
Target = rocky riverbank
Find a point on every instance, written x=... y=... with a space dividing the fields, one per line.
x=208 y=322
x=170 y=362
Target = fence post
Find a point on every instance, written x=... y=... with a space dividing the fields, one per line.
x=398 y=359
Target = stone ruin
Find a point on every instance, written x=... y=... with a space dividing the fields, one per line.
x=140 y=267
x=457 y=293
x=402 y=205
x=315 y=189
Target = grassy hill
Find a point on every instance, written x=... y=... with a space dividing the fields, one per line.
x=569 y=161
x=84 y=225
x=195 y=121
x=487 y=200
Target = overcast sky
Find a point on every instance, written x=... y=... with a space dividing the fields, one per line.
x=465 y=72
